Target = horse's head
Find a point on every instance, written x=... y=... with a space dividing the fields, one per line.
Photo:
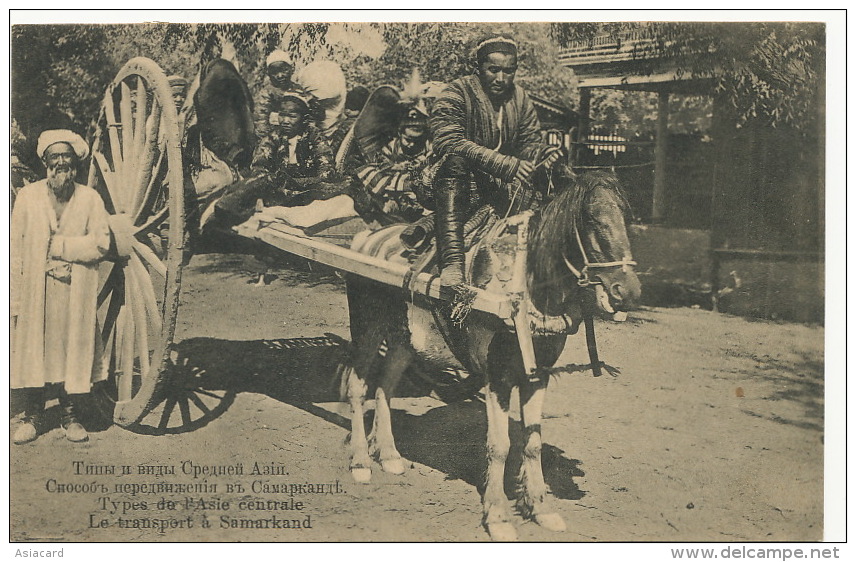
x=580 y=252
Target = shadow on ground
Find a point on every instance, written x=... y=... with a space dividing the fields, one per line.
x=304 y=372
x=800 y=383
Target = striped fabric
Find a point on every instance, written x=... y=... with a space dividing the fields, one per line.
x=463 y=122
x=394 y=171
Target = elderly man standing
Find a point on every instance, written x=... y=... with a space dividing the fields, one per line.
x=59 y=233
x=487 y=136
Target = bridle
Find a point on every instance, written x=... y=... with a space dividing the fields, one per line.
x=582 y=276
x=583 y=279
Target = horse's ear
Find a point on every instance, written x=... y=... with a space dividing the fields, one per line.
x=563 y=178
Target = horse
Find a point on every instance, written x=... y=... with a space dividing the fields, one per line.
x=218 y=138
x=224 y=113
x=579 y=264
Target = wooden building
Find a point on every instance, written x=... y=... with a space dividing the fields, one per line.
x=559 y=124
x=763 y=186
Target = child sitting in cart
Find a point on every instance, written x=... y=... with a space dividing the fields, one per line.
x=292 y=165
x=280 y=71
x=385 y=188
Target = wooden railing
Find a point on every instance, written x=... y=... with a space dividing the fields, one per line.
x=609 y=49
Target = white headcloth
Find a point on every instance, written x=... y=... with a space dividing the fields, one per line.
x=278 y=56
x=53 y=136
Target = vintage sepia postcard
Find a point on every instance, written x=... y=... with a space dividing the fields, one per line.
x=394 y=277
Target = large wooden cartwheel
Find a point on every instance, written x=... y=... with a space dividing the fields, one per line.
x=137 y=168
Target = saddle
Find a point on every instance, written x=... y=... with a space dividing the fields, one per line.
x=486 y=238
x=419 y=238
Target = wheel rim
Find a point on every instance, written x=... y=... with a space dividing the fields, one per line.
x=137 y=168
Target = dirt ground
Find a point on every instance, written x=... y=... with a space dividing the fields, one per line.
x=712 y=431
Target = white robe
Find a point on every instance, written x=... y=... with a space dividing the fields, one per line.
x=72 y=355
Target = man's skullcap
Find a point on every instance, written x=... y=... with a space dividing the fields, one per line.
x=278 y=56
x=176 y=80
x=496 y=44
x=47 y=138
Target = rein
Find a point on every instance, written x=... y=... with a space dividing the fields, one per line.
x=582 y=276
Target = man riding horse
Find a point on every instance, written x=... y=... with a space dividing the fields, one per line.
x=487 y=141
x=556 y=267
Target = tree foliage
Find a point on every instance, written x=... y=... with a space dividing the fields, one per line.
x=767 y=72
x=60 y=72
x=632 y=113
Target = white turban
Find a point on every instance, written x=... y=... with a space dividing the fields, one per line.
x=47 y=138
x=278 y=56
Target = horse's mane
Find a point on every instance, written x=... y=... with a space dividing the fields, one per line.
x=553 y=238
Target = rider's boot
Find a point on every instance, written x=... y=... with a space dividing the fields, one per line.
x=450 y=196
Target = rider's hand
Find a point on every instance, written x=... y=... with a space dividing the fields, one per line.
x=524 y=170
x=551 y=156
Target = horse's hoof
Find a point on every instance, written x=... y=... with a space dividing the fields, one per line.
x=502 y=531
x=393 y=466
x=551 y=522
x=361 y=475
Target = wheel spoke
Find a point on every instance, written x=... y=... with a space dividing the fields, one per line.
x=108 y=338
x=154 y=221
x=151 y=158
x=168 y=407
x=140 y=111
x=128 y=156
x=109 y=284
x=112 y=315
x=124 y=353
x=150 y=257
x=115 y=147
x=110 y=179
x=184 y=407
x=199 y=403
x=140 y=324
x=146 y=292
x=152 y=182
x=129 y=337
x=209 y=393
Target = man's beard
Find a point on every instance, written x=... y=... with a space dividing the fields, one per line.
x=61 y=180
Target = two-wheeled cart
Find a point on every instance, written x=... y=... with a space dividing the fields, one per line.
x=137 y=167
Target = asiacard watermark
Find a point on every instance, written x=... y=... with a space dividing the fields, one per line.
x=763 y=553
x=38 y=553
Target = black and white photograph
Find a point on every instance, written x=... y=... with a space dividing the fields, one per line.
x=399 y=277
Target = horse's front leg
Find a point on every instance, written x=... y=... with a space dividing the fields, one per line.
x=361 y=462
x=532 y=501
x=397 y=359
x=497 y=516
